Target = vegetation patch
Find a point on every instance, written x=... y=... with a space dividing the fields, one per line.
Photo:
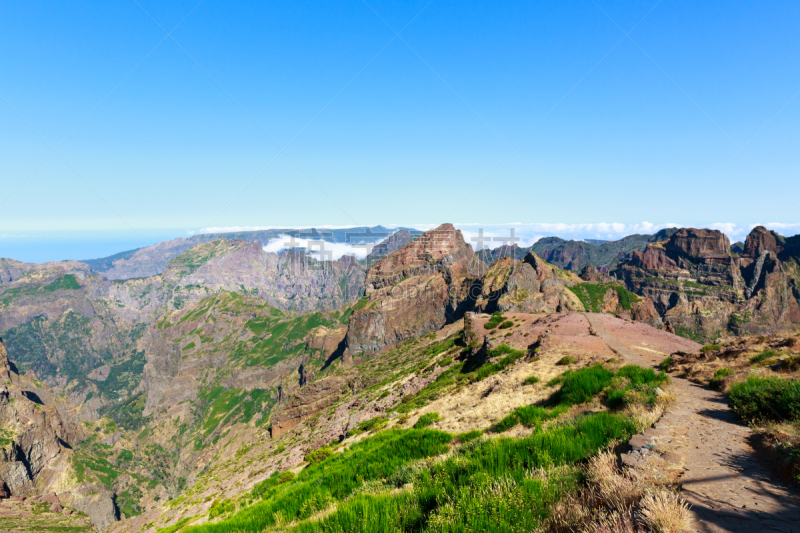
x=766 y=398
x=594 y=295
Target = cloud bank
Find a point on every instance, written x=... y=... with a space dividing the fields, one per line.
x=319 y=250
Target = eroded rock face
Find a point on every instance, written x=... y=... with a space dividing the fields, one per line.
x=305 y=403
x=528 y=286
x=326 y=340
x=700 y=243
x=702 y=289
x=415 y=290
x=760 y=240
x=39 y=426
x=94 y=500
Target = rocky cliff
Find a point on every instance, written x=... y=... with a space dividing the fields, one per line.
x=703 y=289
x=37 y=436
x=528 y=286
x=415 y=290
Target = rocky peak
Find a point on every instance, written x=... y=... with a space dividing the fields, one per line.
x=760 y=240
x=430 y=252
x=415 y=290
x=706 y=244
x=389 y=245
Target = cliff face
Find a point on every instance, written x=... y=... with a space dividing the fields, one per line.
x=703 y=289
x=528 y=286
x=415 y=290
x=37 y=436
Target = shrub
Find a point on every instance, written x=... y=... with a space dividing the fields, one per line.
x=531 y=380
x=582 y=385
x=664 y=512
x=766 y=398
x=319 y=455
x=507 y=324
x=710 y=348
x=426 y=420
x=766 y=354
x=567 y=360
x=791 y=363
x=468 y=436
x=495 y=321
x=665 y=363
x=723 y=372
x=373 y=424
x=635 y=385
x=445 y=361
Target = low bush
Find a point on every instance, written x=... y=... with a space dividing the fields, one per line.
x=531 y=380
x=528 y=416
x=319 y=455
x=766 y=398
x=791 y=363
x=507 y=324
x=426 y=420
x=566 y=360
x=635 y=385
x=582 y=385
x=723 y=372
x=665 y=363
x=710 y=348
x=495 y=321
x=763 y=356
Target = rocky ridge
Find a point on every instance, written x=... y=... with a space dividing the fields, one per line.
x=703 y=289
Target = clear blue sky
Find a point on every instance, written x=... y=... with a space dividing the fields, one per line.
x=416 y=129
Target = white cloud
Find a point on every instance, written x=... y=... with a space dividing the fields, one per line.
x=320 y=250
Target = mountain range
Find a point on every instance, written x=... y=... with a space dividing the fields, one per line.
x=162 y=384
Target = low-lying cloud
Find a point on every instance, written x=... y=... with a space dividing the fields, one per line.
x=319 y=250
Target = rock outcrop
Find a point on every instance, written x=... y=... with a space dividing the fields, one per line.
x=528 y=286
x=305 y=403
x=415 y=290
x=703 y=289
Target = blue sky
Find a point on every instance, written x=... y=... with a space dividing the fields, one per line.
x=476 y=113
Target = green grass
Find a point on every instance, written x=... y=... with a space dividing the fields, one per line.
x=426 y=420
x=763 y=356
x=592 y=295
x=460 y=374
x=723 y=372
x=319 y=455
x=766 y=398
x=531 y=380
x=710 y=348
x=528 y=416
x=582 y=385
x=338 y=477
x=485 y=486
x=67 y=282
x=495 y=321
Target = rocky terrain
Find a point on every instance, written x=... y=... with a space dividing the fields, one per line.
x=577 y=255
x=151 y=260
x=164 y=401
x=704 y=290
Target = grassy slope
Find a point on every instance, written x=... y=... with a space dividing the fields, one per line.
x=391 y=481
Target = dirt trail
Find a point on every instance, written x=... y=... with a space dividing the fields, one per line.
x=728 y=486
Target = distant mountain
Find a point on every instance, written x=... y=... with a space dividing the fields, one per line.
x=575 y=255
x=151 y=260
